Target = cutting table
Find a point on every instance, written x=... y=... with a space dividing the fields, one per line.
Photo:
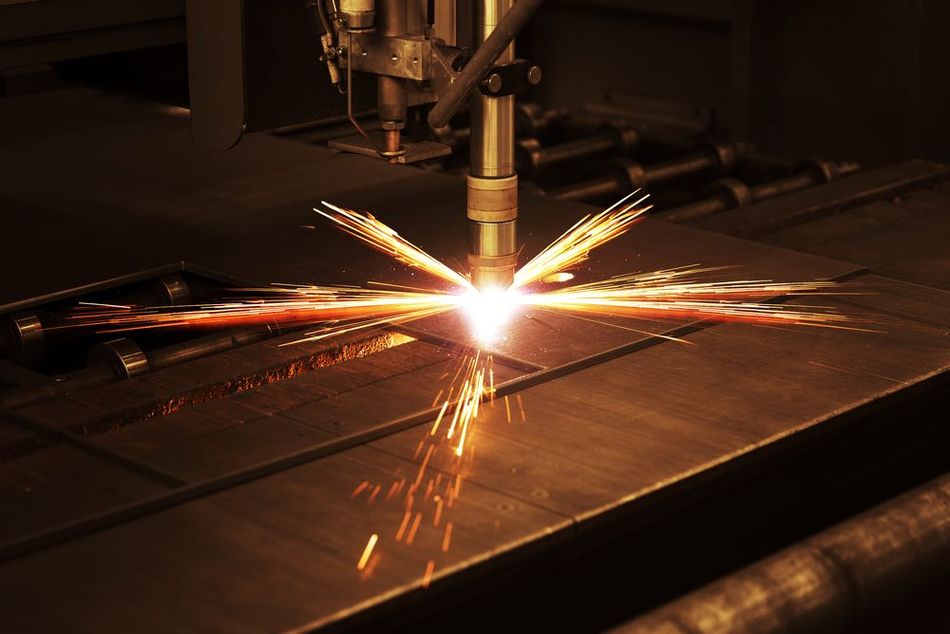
x=217 y=494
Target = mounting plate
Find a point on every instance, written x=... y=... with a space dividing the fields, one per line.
x=415 y=151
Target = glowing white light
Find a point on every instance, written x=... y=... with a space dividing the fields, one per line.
x=488 y=311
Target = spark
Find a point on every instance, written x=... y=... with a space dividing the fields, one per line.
x=359 y=488
x=679 y=293
x=489 y=310
x=102 y=305
x=414 y=529
x=367 y=551
x=383 y=238
x=574 y=245
x=338 y=310
x=557 y=278
x=427 y=576
x=447 y=539
x=546 y=282
x=405 y=523
x=372 y=496
x=684 y=293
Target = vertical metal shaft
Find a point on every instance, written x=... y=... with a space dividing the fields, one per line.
x=392 y=93
x=492 y=182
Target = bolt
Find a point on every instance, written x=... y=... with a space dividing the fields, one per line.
x=534 y=75
x=493 y=83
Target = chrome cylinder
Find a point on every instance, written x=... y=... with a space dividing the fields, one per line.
x=492 y=184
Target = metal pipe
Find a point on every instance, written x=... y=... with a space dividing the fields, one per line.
x=392 y=20
x=832 y=582
x=622 y=180
x=492 y=183
x=735 y=194
x=491 y=47
x=103 y=373
x=615 y=140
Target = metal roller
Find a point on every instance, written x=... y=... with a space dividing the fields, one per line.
x=832 y=582
x=730 y=193
x=25 y=339
x=629 y=175
x=175 y=289
x=124 y=355
x=613 y=140
x=113 y=361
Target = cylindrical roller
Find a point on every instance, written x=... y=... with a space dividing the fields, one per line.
x=728 y=193
x=719 y=159
x=103 y=368
x=492 y=184
x=832 y=582
x=123 y=355
x=26 y=339
x=175 y=288
x=612 y=140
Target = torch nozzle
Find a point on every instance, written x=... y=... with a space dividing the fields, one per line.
x=492 y=238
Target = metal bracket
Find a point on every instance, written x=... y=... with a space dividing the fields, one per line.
x=405 y=57
x=510 y=79
x=413 y=151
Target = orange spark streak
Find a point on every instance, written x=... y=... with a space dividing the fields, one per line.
x=544 y=283
x=372 y=496
x=415 y=527
x=381 y=237
x=438 y=419
x=575 y=244
x=446 y=540
x=427 y=576
x=422 y=467
x=368 y=572
x=392 y=490
x=359 y=488
x=367 y=551
x=402 y=527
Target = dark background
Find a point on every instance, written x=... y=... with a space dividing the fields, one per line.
x=861 y=80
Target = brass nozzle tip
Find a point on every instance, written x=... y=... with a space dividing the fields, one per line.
x=492 y=271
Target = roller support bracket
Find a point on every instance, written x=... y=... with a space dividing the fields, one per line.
x=510 y=79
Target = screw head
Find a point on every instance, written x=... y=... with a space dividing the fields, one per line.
x=493 y=83
x=534 y=75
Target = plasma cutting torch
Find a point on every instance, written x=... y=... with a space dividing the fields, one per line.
x=411 y=48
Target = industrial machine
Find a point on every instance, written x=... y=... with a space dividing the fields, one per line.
x=410 y=49
x=623 y=471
